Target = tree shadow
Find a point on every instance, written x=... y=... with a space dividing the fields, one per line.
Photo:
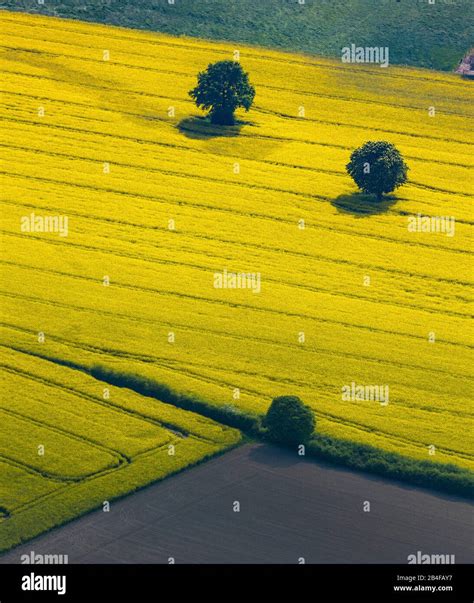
x=274 y=456
x=362 y=205
x=202 y=129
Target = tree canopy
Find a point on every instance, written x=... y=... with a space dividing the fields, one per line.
x=289 y=421
x=377 y=168
x=221 y=89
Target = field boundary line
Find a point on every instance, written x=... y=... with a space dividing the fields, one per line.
x=167 y=293
x=192 y=44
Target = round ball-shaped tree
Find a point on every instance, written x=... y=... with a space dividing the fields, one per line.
x=289 y=421
x=221 y=89
x=377 y=168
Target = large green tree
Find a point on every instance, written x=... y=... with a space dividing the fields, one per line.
x=377 y=168
x=221 y=89
x=289 y=421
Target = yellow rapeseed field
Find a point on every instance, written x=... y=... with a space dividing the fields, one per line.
x=98 y=128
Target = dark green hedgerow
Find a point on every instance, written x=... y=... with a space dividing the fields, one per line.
x=361 y=457
x=227 y=415
x=438 y=476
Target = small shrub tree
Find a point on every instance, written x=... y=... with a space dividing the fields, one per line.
x=221 y=89
x=377 y=168
x=289 y=421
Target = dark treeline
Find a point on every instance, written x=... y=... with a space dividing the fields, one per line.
x=361 y=457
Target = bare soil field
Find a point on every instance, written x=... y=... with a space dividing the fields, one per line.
x=290 y=508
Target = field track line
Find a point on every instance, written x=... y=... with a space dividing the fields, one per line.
x=280 y=282
x=186 y=101
x=49 y=475
x=221 y=181
x=190 y=74
x=167 y=293
x=228 y=210
x=241 y=134
x=58 y=487
x=336 y=419
x=120 y=456
x=109 y=405
x=152 y=39
x=165 y=121
x=253 y=338
x=434 y=189
x=19 y=465
x=282 y=116
x=166 y=425
x=331 y=417
x=196 y=374
x=277 y=164
x=246 y=245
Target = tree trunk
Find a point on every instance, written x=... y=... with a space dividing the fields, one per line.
x=222 y=117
